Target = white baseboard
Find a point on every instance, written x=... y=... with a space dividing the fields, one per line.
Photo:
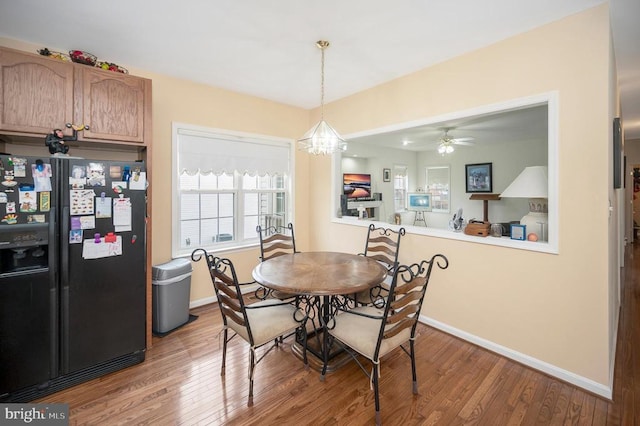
x=552 y=370
x=202 y=302
x=207 y=300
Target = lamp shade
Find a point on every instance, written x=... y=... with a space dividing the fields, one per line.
x=531 y=183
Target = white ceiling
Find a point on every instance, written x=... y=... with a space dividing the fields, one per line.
x=523 y=125
x=267 y=48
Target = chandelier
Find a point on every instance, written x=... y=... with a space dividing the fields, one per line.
x=322 y=138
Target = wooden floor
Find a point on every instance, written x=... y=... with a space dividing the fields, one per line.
x=459 y=383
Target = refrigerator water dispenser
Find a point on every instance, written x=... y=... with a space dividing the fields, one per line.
x=23 y=248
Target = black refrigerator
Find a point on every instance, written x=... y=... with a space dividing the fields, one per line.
x=72 y=272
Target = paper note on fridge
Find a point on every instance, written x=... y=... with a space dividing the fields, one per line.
x=93 y=250
x=103 y=207
x=122 y=214
x=81 y=201
x=138 y=181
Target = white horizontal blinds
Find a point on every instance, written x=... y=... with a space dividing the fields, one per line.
x=208 y=152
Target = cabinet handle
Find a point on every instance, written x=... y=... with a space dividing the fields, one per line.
x=77 y=127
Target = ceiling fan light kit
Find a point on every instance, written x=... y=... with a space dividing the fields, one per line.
x=446 y=144
x=445 y=148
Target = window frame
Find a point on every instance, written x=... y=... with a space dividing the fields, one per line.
x=552 y=100
x=438 y=194
x=400 y=203
x=239 y=241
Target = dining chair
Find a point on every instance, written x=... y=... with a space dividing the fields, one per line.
x=276 y=240
x=374 y=332
x=382 y=245
x=257 y=323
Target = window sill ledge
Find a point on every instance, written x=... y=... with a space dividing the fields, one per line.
x=543 y=247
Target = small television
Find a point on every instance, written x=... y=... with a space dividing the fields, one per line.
x=419 y=201
x=357 y=186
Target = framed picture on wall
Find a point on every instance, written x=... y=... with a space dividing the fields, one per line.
x=386 y=175
x=478 y=177
x=617 y=153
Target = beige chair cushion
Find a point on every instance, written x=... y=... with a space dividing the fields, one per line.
x=267 y=322
x=361 y=333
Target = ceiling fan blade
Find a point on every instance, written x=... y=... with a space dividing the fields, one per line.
x=459 y=142
x=463 y=139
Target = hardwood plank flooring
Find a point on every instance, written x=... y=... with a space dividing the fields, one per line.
x=459 y=383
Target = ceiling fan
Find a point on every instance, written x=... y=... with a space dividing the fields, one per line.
x=447 y=142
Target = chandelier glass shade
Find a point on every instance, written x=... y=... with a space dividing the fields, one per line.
x=322 y=138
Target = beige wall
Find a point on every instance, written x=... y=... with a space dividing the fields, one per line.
x=186 y=102
x=550 y=308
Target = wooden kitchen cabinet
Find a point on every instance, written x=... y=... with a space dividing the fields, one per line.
x=36 y=93
x=39 y=94
x=113 y=105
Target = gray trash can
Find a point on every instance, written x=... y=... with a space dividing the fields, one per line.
x=171 y=291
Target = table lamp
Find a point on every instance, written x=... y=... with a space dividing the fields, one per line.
x=532 y=183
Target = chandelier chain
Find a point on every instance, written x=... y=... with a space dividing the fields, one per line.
x=322 y=45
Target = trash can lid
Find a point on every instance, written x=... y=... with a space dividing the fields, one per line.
x=173 y=268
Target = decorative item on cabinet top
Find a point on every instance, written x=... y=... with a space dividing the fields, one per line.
x=81 y=57
x=55 y=55
x=84 y=58
x=110 y=66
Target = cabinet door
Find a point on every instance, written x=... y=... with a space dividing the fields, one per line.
x=112 y=105
x=36 y=93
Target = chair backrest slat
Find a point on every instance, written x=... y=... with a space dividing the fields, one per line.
x=232 y=315
x=397 y=328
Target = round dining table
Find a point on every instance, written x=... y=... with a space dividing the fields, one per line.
x=319 y=273
x=319 y=278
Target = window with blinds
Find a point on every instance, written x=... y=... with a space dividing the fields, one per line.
x=227 y=185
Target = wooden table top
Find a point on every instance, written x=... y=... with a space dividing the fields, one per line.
x=319 y=273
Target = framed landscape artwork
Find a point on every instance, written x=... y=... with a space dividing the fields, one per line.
x=478 y=177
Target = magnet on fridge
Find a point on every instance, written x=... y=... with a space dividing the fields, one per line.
x=45 y=201
x=75 y=236
x=110 y=237
x=134 y=237
x=96 y=238
x=102 y=195
x=126 y=174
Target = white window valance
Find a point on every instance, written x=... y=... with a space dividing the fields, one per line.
x=218 y=153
